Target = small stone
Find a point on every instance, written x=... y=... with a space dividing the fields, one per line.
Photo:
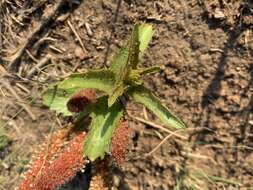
x=235 y=99
x=218 y=14
x=5 y=165
x=79 y=53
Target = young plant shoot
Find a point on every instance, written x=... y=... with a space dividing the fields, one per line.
x=77 y=95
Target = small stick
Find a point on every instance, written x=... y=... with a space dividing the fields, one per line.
x=23 y=88
x=14 y=125
x=31 y=38
x=19 y=100
x=37 y=67
x=216 y=50
x=157 y=126
x=77 y=35
x=2 y=70
x=198 y=156
x=31 y=56
x=158 y=146
x=145 y=114
x=89 y=31
x=56 y=49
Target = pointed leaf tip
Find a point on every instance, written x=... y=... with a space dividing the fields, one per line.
x=142 y=95
x=145 y=35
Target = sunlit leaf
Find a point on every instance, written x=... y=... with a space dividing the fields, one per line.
x=128 y=54
x=120 y=63
x=102 y=80
x=128 y=57
x=117 y=92
x=149 y=70
x=134 y=45
x=145 y=35
x=56 y=97
x=104 y=122
x=120 y=68
x=142 y=95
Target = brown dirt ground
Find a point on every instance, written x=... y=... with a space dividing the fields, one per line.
x=205 y=50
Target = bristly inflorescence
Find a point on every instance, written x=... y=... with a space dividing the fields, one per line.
x=56 y=163
x=120 y=142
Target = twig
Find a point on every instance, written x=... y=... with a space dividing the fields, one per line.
x=37 y=67
x=14 y=125
x=89 y=31
x=2 y=69
x=19 y=100
x=158 y=127
x=56 y=49
x=77 y=35
x=145 y=114
x=158 y=146
x=24 y=89
x=15 y=59
x=31 y=56
x=216 y=50
x=230 y=147
x=199 y=156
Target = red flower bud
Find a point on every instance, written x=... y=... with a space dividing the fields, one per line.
x=81 y=99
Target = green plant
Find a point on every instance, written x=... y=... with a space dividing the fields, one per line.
x=122 y=81
x=123 y=78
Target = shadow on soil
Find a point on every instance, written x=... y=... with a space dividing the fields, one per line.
x=212 y=92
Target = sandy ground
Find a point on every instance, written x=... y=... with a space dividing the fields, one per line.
x=205 y=51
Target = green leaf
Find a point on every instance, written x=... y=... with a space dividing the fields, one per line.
x=56 y=97
x=102 y=80
x=117 y=92
x=128 y=56
x=149 y=70
x=119 y=63
x=142 y=95
x=121 y=67
x=134 y=77
x=134 y=45
x=104 y=122
x=145 y=35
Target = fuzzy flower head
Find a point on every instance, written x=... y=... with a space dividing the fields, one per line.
x=120 y=142
x=56 y=163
